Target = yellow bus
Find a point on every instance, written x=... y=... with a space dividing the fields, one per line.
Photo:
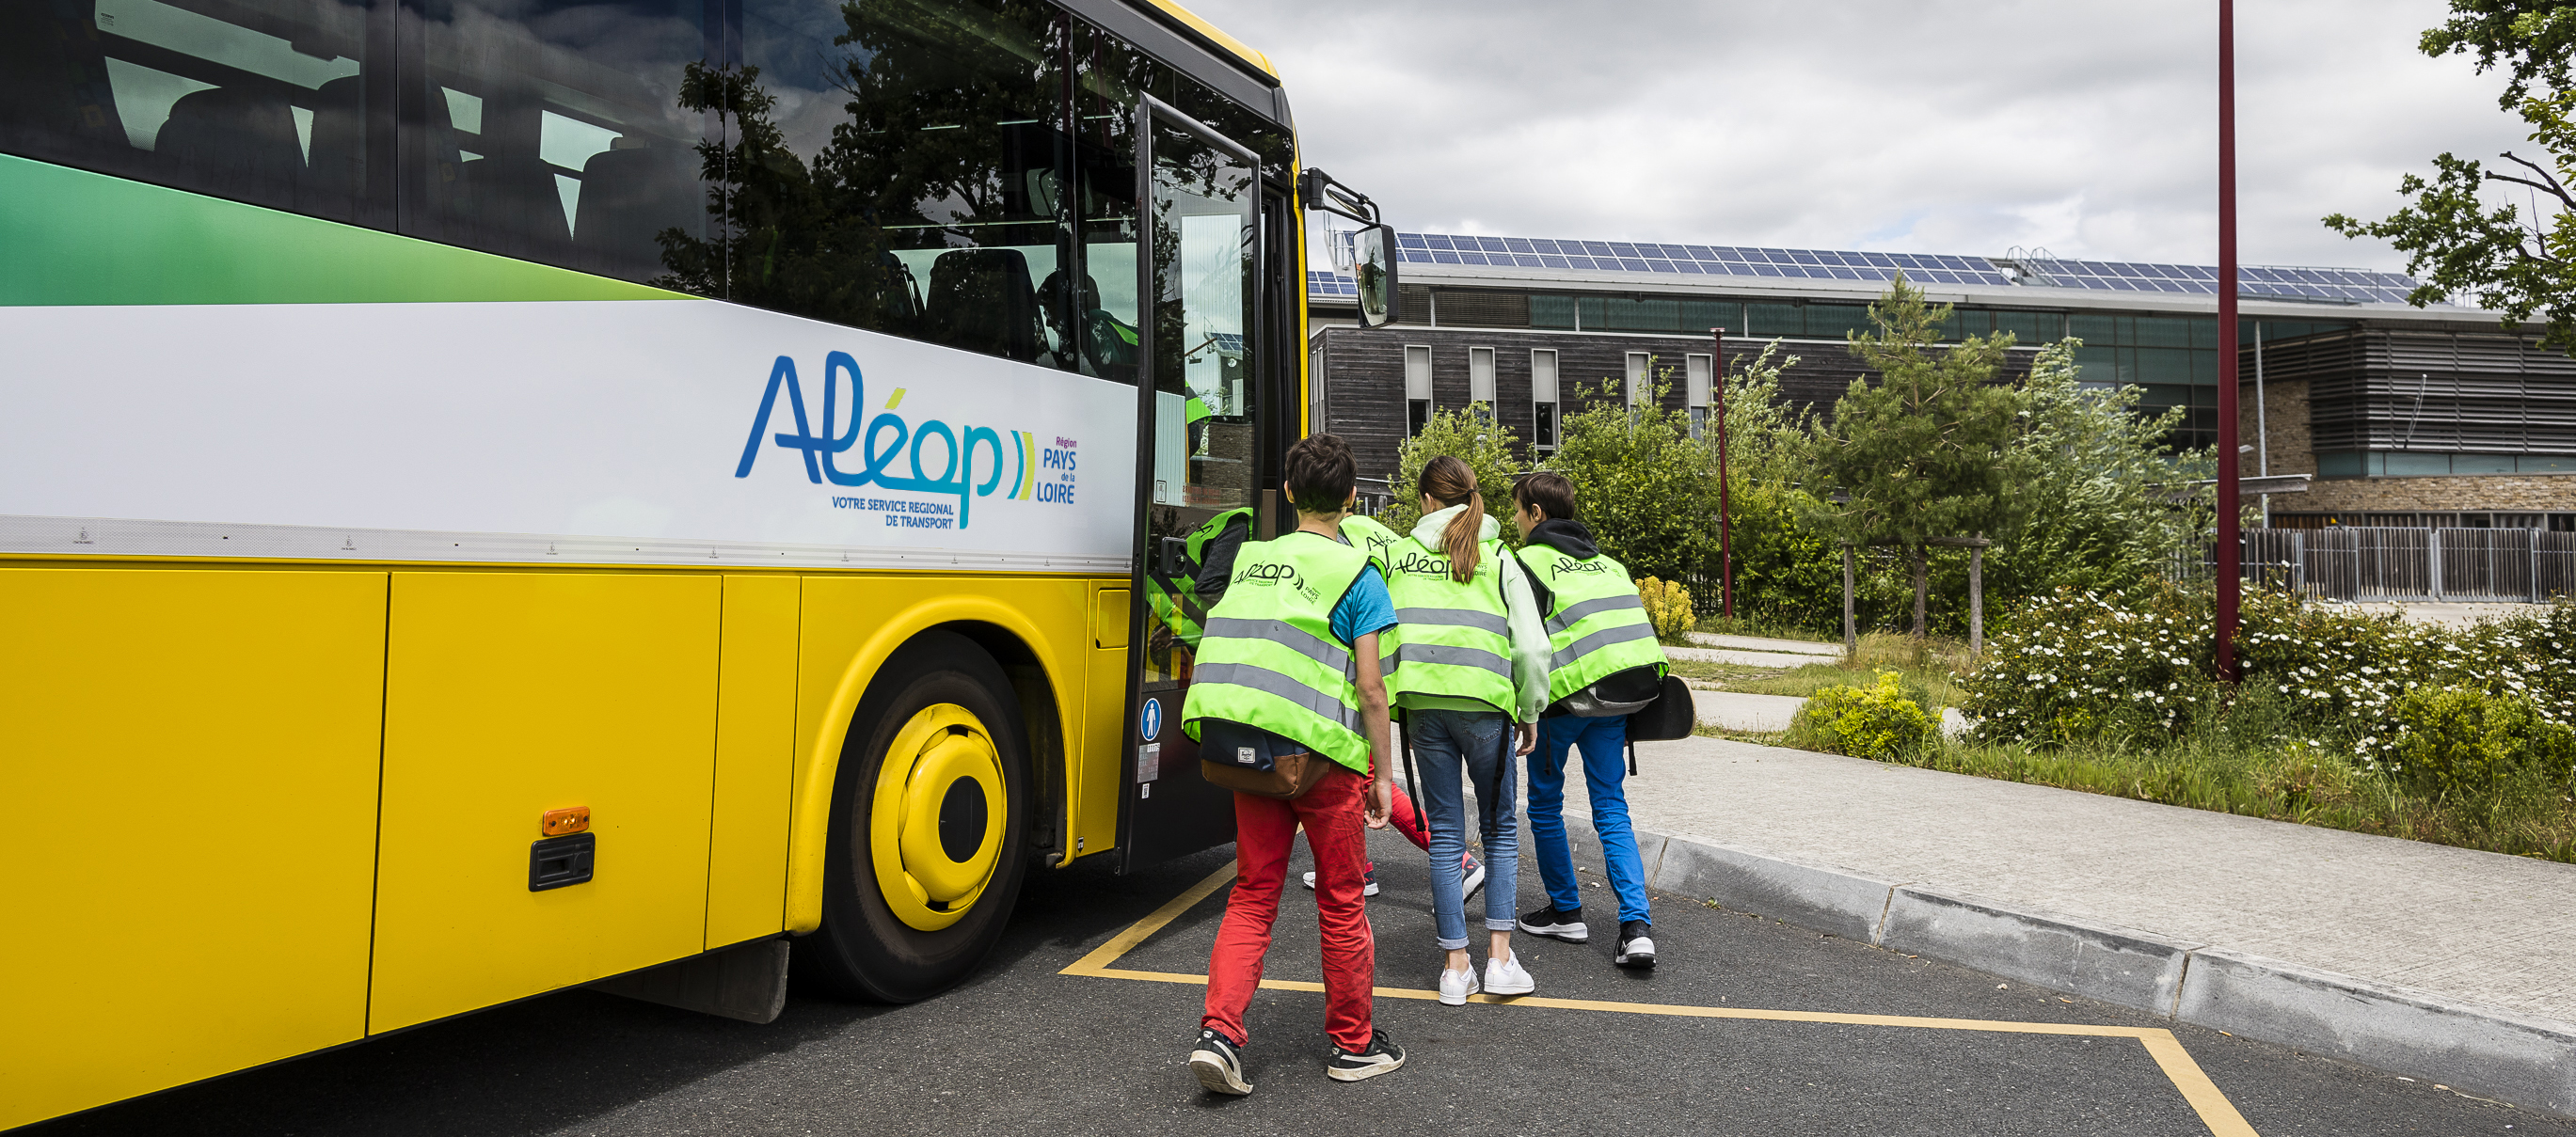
x=498 y=495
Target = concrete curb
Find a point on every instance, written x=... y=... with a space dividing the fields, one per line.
x=2484 y=1051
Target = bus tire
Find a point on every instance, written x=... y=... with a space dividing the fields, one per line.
x=923 y=866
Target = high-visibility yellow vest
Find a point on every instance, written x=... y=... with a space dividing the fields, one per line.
x=1451 y=639
x=1596 y=624
x=1270 y=658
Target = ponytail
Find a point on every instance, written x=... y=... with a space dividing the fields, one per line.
x=1450 y=482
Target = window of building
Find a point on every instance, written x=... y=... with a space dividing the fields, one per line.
x=1543 y=402
x=1695 y=372
x=1417 y=389
x=1641 y=389
x=1551 y=311
x=1480 y=381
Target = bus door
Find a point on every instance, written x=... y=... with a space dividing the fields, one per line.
x=1199 y=275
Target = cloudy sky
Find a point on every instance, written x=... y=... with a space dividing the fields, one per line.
x=2086 y=128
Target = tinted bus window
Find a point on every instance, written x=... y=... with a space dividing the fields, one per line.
x=900 y=166
x=557 y=132
x=263 y=103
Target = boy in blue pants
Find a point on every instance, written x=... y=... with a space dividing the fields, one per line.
x=1606 y=665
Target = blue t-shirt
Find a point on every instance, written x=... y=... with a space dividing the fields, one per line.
x=1366 y=608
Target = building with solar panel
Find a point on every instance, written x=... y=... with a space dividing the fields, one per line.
x=2400 y=415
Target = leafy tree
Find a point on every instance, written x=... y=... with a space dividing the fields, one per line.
x=2457 y=241
x=1470 y=435
x=2090 y=504
x=1926 y=452
x=1643 y=485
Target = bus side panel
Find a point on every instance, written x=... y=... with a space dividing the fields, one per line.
x=1098 y=765
x=187 y=801
x=851 y=624
x=755 y=756
x=510 y=694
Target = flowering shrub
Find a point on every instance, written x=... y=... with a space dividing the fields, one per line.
x=2458 y=741
x=1668 y=607
x=1876 y=721
x=2080 y=665
x=2132 y=665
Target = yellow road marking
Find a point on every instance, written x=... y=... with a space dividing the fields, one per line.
x=2197 y=1090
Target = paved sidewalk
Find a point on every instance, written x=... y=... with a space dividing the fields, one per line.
x=2434 y=940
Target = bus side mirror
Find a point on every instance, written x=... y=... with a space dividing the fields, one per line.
x=1373 y=266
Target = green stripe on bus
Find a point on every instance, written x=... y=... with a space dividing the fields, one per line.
x=75 y=237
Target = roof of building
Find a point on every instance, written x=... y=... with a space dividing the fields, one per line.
x=1458 y=258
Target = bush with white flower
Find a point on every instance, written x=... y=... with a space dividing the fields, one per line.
x=2132 y=666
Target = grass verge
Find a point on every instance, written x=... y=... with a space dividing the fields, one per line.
x=2244 y=760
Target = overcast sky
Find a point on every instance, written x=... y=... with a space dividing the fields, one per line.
x=1888 y=125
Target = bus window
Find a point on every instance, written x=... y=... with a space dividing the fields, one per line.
x=555 y=131
x=911 y=172
x=261 y=103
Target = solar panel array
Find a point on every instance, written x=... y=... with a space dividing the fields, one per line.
x=1331 y=284
x=1700 y=260
x=1435 y=249
x=2291 y=283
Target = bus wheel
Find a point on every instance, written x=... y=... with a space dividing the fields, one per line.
x=926 y=855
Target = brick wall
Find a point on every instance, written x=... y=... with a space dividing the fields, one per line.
x=2285 y=414
x=2527 y=493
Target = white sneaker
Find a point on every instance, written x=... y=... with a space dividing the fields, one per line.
x=1507 y=977
x=1455 y=986
x=1368 y=889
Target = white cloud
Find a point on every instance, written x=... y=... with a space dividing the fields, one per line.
x=1896 y=125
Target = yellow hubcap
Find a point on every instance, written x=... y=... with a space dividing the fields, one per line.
x=941 y=775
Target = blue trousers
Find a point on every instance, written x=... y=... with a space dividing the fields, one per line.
x=1603 y=744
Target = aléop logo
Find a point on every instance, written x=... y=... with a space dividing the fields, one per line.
x=1020 y=468
x=1267 y=573
x=1569 y=564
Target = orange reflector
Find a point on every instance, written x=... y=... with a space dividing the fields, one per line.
x=558 y=822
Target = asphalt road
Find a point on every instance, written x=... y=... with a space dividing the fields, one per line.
x=1024 y=1049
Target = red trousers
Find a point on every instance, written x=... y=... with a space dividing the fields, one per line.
x=1264 y=831
x=1405 y=819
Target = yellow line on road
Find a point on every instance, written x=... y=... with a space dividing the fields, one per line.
x=2197 y=1090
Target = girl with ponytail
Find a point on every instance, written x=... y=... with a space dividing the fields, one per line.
x=1468 y=677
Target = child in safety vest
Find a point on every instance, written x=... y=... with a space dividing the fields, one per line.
x=1606 y=664
x=1288 y=662
x=1469 y=677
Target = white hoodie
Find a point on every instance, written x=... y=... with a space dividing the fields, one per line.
x=1520 y=608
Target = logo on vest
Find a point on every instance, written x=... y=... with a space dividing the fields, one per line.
x=1276 y=573
x=1421 y=563
x=1565 y=565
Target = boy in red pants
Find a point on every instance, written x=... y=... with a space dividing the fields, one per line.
x=1290 y=664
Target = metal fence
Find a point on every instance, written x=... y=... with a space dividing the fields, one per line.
x=2529 y=565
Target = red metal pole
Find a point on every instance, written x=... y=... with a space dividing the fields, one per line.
x=2230 y=534
x=1725 y=523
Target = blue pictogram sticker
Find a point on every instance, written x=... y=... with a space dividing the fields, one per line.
x=1150 y=722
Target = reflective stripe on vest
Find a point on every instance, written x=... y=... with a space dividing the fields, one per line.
x=1452 y=640
x=1270 y=659
x=1596 y=625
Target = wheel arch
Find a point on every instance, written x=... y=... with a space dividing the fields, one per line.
x=1015 y=642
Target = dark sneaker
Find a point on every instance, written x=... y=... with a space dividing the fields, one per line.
x=1472 y=873
x=1219 y=1064
x=1367 y=889
x=1636 y=945
x=1555 y=925
x=1381 y=1056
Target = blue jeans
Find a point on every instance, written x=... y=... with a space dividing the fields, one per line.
x=1603 y=743
x=1477 y=744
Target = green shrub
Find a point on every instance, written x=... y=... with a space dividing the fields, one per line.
x=2461 y=742
x=1875 y=721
